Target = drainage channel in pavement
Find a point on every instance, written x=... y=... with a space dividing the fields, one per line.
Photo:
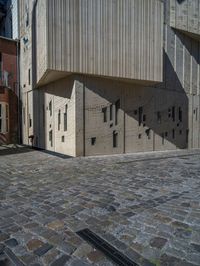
x=8 y=258
x=108 y=250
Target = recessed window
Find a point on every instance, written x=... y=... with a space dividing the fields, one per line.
x=104 y=111
x=139 y=136
x=166 y=134
x=51 y=138
x=111 y=112
x=148 y=132
x=140 y=116
x=65 y=118
x=59 y=120
x=50 y=108
x=63 y=138
x=187 y=135
x=173 y=133
x=159 y=117
x=180 y=114
x=173 y=114
x=117 y=107
x=30 y=121
x=115 y=139
x=29 y=76
x=93 y=141
x=144 y=118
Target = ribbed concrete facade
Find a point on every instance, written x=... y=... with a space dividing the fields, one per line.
x=106 y=77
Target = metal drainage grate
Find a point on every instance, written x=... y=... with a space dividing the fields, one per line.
x=110 y=251
x=8 y=258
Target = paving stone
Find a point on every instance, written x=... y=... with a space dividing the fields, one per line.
x=61 y=261
x=95 y=256
x=12 y=242
x=157 y=198
x=34 y=244
x=158 y=242
x=43 y=249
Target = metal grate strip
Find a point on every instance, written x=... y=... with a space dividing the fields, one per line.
x=110 y=251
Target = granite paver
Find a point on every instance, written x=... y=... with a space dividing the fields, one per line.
x=145 y=205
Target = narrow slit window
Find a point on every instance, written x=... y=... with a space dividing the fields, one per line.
x=29 y=76
x=30 y=121
x=159 y=117
x=50 y=108
x=104 y=111
x=59 y=120
x=187 y=135
x=51 y=138
x=117 y=107
x=173 y=133
x=115 y=139
x=173 y=114
x=65 y=118
x=180 y=114
x=111 y=112
x=93 y=141
x=140 y=116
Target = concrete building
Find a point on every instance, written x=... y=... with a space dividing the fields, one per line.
x=107 y=77
x=8 y=91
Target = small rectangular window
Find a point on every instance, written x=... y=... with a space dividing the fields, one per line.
x=111 y=112
x=59 y=120
x=140 y=116
x=0 y=110
x=180 y=114
x=30 y=121
x=173 y=133
x=187 y=135
x=29 y=76
x=0 y=125
x=104 y=111
x=173 y=114
x=65 y=118
x=115 y=139
x=159 y=117
x=163 y=138
x=51 y=138
x=117 y=107
x=50 y=108
x=93 y=141
x=63 y=138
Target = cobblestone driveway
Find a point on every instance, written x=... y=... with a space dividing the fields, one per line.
x=146 y=205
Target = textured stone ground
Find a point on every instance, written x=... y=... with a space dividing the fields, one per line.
x=146 y=205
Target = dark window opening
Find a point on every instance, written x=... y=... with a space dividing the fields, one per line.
x=50 y=108
x=0 y=110
x=166 y=134
x=117 y=107
x=139 y=136
x=159 y=117
x=115 y=139
x=65 y=118
x=169 y=112
x=59 y=119
x=111 y=112
x=196 y=114
x=63 y=138
x=51 y=138
x=93 y=141
x=173 y=114
x=144 y=118
x=148 y=132
x=30 y=121
x=173 y=133
x=140 y=116
x=29 y=76
x=180 y=114
x=104 y=111
x=135 y=112
x=0 y=125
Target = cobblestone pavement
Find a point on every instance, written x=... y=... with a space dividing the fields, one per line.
x=146 y=205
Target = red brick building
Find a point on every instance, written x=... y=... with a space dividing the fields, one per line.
x=8 y=91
